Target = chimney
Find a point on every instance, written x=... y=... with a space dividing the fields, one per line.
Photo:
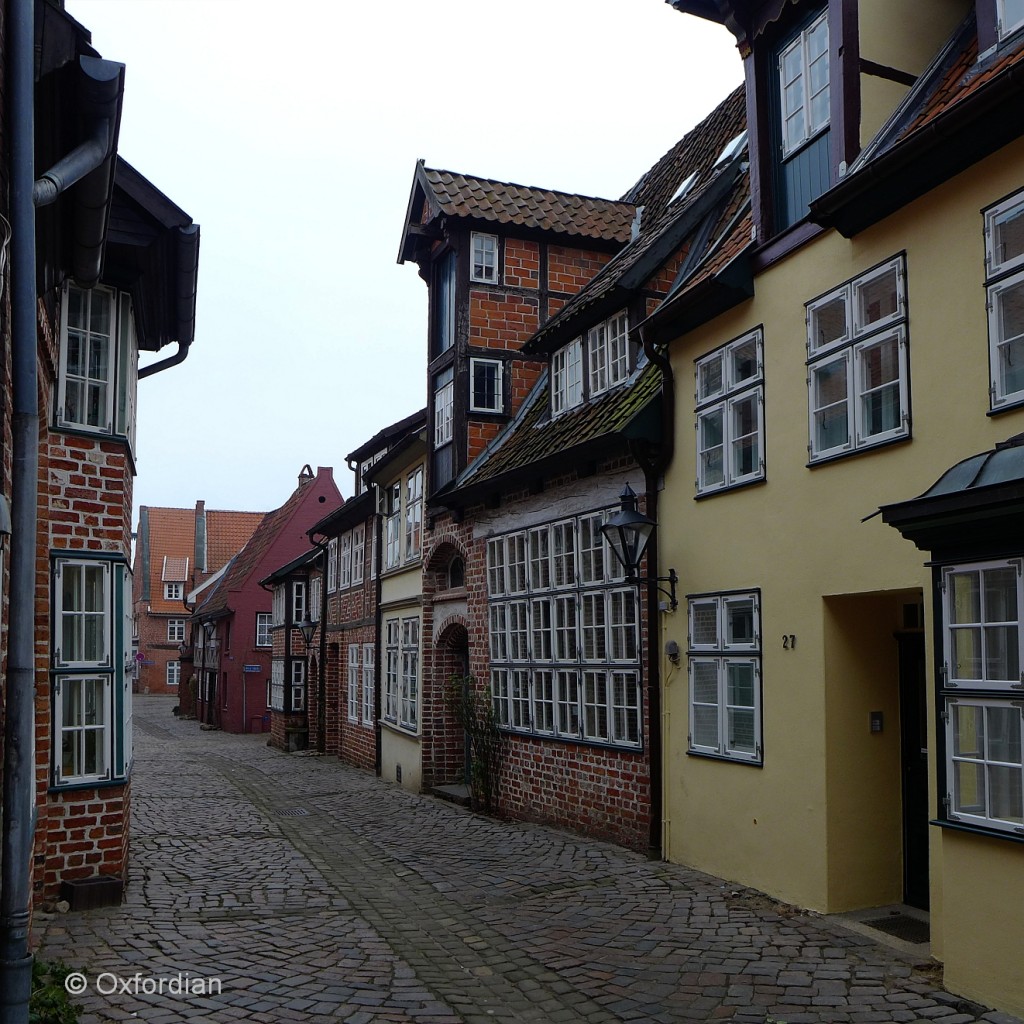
x=199 y=561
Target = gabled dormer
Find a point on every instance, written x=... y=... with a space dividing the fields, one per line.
x=499 y=261
x=822 y=77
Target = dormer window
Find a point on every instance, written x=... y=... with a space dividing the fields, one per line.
x=803 y=80
x=484 y=258
x=1011 y=16
x=591 y=365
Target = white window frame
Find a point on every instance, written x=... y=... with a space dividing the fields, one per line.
x=393 y=526
x=172 y=673
x=297 y=684
x=808 y=124
x=87 y=381
x=720 y=654
x=353 y=682
x=1004 y=30
x=275 y=687
x=444 y=407
x=175 y=631
x=78 y=619
x=173 y=591
x=298 y=603
x=76 y=731
x=358 y=553
x=332 y=565
x=408 y=701
x=369 y=684
x=1004 y=276
x=850 y=351
x=498 y=368
x=345 y=561
x=315 y=597
x=721 y=390
x=413 y=514
x=279 y=604
x=608 y=354
x=392 y=654
x=264 y=621
x=483 y=258
x=567 y=377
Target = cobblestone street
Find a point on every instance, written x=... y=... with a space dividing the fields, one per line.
x=315 y=892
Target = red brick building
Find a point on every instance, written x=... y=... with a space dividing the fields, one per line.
x=232 y=626
x=176 y=551
x=544 y=405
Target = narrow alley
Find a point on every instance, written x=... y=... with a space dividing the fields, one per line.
x=272 y=887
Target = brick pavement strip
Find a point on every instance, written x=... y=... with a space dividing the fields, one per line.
x=315 y=892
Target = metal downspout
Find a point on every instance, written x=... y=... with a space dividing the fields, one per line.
x=653 y=469
x=19 y=717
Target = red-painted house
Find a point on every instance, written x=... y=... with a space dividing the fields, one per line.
x=231 y=625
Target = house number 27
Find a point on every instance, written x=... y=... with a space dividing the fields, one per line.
x=788 y=641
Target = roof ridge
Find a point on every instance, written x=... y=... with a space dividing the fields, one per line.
x=532 y=188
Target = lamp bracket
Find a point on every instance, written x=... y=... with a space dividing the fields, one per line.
x=671 y=579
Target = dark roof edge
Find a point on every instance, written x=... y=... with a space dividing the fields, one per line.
x=354 y=511
x=395 y=429
x=296 y=563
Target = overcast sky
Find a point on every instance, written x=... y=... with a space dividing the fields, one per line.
x=290 y=132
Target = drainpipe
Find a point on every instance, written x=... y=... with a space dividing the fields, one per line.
x=19 y=717
x=653 y=468
x=321 y=668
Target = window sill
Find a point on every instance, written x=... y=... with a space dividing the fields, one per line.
x=978 y=830
x=76 y=787
x=453 y=594
x=400 y=730
x=1013 y=405
x=749 y=763
x=862 y=450
x=704 y=495
x=582 y=741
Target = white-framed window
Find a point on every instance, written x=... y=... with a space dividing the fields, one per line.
x=608 y=354
x=392 y=526
x=567 y=377
x=485 y=385
x=858 y=366
x=804 y=85
x=263 y=624
x=82 y=613
x=483 y=264
x=298 y=684
x=345 y=562
x=279 y=604
x=564 y=635
x=1010 y=15
x=175 y=630
x=444 y=403
x=173 y=591
x=98 y=362
x=358 y=553
x=173 y=675
x=982 y=683
x=724 y=665
x=1004 y=281
x=315 y=596
x=82 y=728
x=298 y=602
x=730 y=414
x=275 y=688
x=353 y=682
x=413 y=513
x=369 y=687
x=444 y=303
x=408 y=701
x=332 y=565
x=392 y=668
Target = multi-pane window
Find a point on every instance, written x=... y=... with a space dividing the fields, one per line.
x=981 y=683
x=263 y=623
x=483 y=258
x=99 y=362
x=485 y=385
x=82 y=614
x=358 y=552
x=298 y=602
x=173 y=591
x=345 y=562
x=276 y=691
x=369 y=689
x=315 y=597
x=564 y=635
x=392 y=525
x=858 y=369
x=804 y=85
x=353 y=682
x=175 y=630
x=444 y=309
x=1004 y=266
x=298 y=684
x=279 y=604
x=567 y=377
x=730 y=415
x=82 y=721
x=607 y=354
x=444 y=398
x=413 y=513
x=725 y=675
x=1010 y=16
x=401 y=679
x=332 y=565
x=173 y=673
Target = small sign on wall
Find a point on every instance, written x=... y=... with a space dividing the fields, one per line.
x=251 y=668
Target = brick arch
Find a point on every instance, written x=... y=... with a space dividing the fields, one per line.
x=446 y=549
x=452 y=632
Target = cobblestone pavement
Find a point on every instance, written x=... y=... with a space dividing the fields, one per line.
x=315 y=892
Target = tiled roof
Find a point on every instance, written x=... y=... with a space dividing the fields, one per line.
x=534 y=435
x=463 y=195
x=175 y=569
x=170 y=536
x=226 y=535
x=664 y=223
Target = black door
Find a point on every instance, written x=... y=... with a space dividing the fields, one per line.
x=914 y=764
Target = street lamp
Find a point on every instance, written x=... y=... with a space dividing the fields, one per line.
x=307 y=628
x=209 y=628
x=627 y=533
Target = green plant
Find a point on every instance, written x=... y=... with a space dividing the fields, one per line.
x=49 y=1003
x=473 y=709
